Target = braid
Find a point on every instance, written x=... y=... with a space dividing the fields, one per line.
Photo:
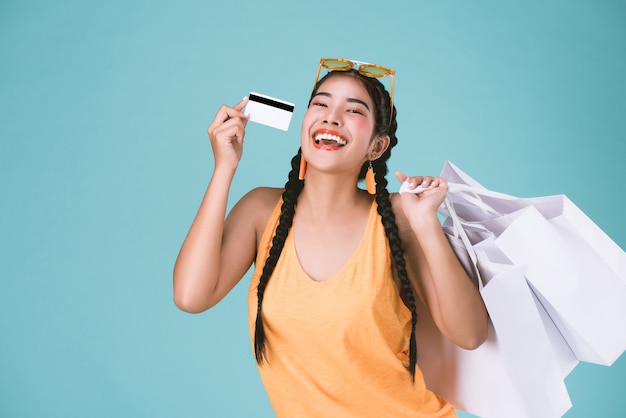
x=395 y=244
x=293 y=187
x=391 y=230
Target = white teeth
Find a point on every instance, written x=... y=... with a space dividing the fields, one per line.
x=329 y=137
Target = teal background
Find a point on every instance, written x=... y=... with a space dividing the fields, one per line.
x=104 y=158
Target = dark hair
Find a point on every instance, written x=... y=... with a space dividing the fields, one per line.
x=383 y=114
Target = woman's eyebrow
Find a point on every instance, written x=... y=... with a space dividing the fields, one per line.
x=321 y=93
x=352 y=100
x=349 y=100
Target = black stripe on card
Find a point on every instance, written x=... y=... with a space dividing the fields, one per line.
x=270 y=102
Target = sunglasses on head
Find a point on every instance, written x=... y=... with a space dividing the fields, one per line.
x=364 y=68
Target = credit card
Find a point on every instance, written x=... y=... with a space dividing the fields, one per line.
x=269 y=111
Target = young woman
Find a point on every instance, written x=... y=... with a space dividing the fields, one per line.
x=332 y=301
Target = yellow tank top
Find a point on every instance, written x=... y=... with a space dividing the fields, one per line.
x=338 y=348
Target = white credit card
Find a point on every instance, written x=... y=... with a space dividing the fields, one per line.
x=269 y=111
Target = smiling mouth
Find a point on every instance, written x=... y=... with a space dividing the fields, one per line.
x=325 y=138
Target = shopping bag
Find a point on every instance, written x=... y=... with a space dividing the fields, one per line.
x=584 y=297
x=481 y=238
x=514 y=372
x=576 y=271
x=572 y=223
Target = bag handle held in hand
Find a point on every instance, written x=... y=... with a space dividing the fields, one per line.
x=459 y=232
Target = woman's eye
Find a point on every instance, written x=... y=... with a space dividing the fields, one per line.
x=321 y=104
x=357 y=111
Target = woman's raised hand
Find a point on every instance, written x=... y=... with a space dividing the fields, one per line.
x=226 y=133
x=427 y=201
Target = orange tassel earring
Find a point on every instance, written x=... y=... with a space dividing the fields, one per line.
x=302 y=171
x=370 y=182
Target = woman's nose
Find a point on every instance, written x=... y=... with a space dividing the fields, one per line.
x=332 y=117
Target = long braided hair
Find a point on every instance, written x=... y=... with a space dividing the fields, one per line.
x=383 y=115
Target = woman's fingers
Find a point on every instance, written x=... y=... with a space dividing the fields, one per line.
x=413 y=181
x=239 y=106
x=427 y=181
x=227 y=113
x=424 y=181
x=227 y=132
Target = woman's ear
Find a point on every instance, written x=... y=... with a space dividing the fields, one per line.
x=378 y=147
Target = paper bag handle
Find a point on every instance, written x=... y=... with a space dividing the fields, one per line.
x=460 y=233
x=471 y=196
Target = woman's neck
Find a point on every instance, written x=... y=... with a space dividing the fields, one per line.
x=327 y=196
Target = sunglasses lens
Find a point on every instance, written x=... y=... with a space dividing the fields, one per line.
x=373 y=71
x=337 y=65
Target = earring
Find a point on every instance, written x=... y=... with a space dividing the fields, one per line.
x=370 y=182
x=302 y=171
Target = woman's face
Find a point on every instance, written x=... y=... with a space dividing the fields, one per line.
x=338 y=126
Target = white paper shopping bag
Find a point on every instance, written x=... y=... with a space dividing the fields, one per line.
x=573 y=224
x=576 y=270
x=514 y=373
x=497 y=379
x=583 y=295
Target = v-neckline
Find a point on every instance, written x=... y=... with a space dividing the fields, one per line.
x=291 y=244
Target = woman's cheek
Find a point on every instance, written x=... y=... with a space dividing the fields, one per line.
x=362 y=123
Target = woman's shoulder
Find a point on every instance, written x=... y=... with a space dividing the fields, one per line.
x=263 y=197
x=256 y=206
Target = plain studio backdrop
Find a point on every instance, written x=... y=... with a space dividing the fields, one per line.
x=104 y=158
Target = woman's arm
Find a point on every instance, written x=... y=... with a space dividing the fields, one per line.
x=202 y=277
x=434 y=270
